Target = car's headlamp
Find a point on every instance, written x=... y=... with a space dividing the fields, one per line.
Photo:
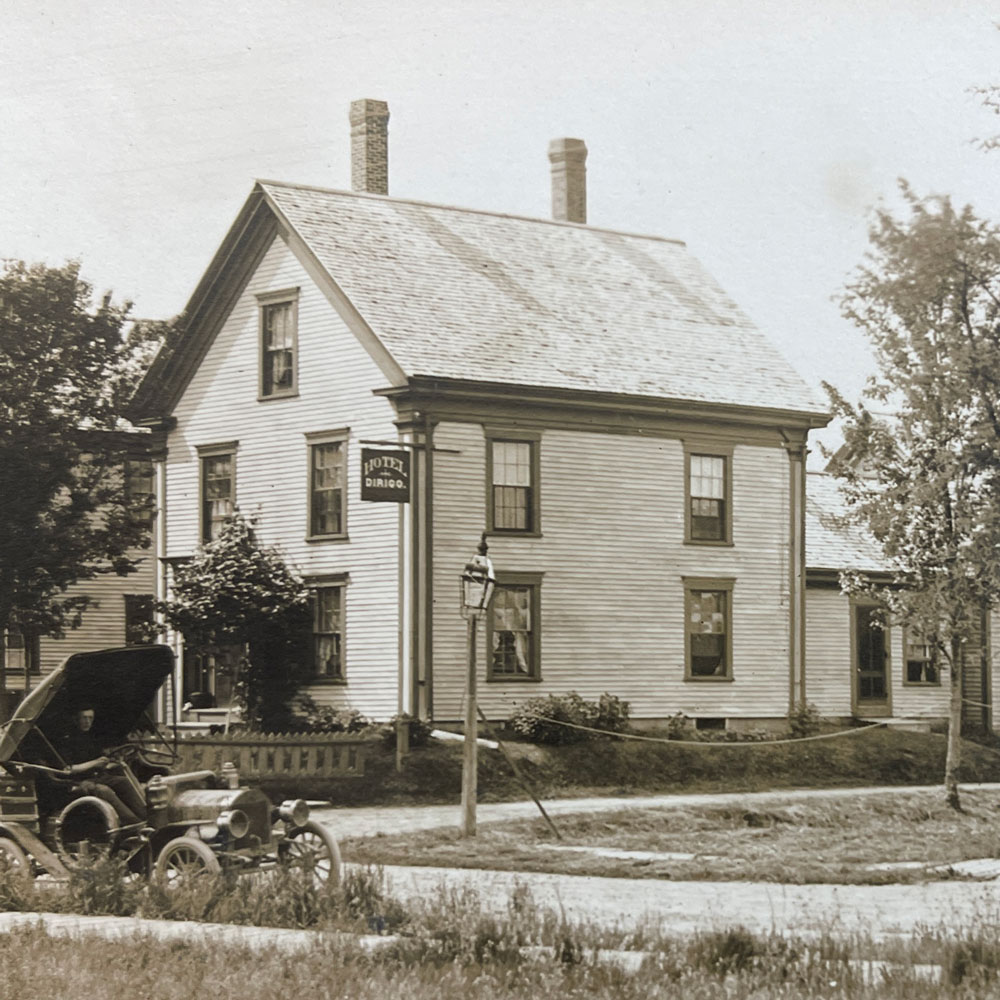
x=234 y=822
x=295 y=812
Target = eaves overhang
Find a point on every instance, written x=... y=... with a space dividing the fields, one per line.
x=425 y=391
x=828 y=578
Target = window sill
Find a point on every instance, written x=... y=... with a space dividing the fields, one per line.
x=708 y=679
x=500 y=533
x=709 y=542
x=313 y=539
x=325 y=682
x=287 y=394
x=511 y=679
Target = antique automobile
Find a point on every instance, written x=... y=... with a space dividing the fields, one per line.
x=197 y=822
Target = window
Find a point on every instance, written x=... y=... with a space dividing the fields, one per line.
x=708 y=497
x=512 y=475
x=138 y=619
x=139 y=490
x=920 y=658
x=22 y=651
x=209 y=675
x=218 y=488
x=278 y=343
x=328 y=633
x=327 y=484
x=513 y=628
x=709 y=640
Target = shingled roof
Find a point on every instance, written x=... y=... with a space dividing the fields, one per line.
x=833 y=542
x=477 y=296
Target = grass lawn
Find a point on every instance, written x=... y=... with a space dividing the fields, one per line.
x=615 y=767
x=830 y=840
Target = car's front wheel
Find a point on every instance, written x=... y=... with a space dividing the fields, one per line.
x=184 y=858
x=315 y=849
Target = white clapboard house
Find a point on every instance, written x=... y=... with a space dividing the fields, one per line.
x=631 y=444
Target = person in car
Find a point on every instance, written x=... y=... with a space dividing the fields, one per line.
x=87 y=760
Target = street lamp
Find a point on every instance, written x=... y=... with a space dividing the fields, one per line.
x=477 y=586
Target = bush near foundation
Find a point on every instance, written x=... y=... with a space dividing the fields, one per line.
x=538 y=718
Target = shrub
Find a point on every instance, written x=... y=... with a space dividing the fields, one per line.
x=804 y=721
x=420 y=732
x=312 y=717
x=679 y=727
x=539 y=719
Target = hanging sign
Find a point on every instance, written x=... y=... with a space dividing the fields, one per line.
x=385 y=476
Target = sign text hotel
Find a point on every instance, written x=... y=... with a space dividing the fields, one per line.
x=385 y=476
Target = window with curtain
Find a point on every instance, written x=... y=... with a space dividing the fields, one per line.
x=326 y=489
x=279 y=337
x=513 y=632
x=328 y=633
x=708 y=616
x=218 y=496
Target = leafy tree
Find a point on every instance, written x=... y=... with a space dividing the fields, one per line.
x=234 y=591
x=67 y=369
x=926 y=479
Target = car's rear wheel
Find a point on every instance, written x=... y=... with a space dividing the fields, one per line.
x=13 y=859
x=315 y=849
x=184 y=858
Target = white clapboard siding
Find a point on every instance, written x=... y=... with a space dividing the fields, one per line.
x=830 y=663
x=613 y=557
x=828 y=651
x=336 y=377
x=103 y=624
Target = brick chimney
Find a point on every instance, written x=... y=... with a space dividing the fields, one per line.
x=569 y=179
x=370 y=146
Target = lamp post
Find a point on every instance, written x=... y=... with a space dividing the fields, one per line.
x=477 y=585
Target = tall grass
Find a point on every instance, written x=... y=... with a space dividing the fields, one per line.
x=725 y=964
x=451 y=944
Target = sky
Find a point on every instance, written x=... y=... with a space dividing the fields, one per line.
x=761 y=134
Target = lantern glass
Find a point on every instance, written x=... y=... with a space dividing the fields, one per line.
x=478 y=583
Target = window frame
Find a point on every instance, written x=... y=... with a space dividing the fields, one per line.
x=534 y=582
x=314 y=439
x=333 y=581
x=209 y=451
x=265 y=301
x=141 y=504
x=909 y=633
x=533 y=439
x=31 y=644
x=717 y=584
x=706 y=449
x=132 y=607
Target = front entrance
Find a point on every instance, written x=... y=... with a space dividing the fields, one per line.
x=870 y=695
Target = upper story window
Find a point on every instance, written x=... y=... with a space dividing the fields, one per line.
x=920 y=659
x=278 y=343
x=709 y=641
x=218 y=487
x=327 y=484
x=708 y=496
x=140 y=495
x=513 y=628
x=512 y=477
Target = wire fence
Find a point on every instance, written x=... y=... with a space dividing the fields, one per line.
x=705 y=743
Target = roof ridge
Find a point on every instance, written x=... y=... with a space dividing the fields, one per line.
x=472 y=211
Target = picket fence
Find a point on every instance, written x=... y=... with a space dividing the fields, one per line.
x=258 y=756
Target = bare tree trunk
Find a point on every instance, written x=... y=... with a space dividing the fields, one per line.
x=954 y=755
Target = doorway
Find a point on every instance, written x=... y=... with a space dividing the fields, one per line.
x=871 y=694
